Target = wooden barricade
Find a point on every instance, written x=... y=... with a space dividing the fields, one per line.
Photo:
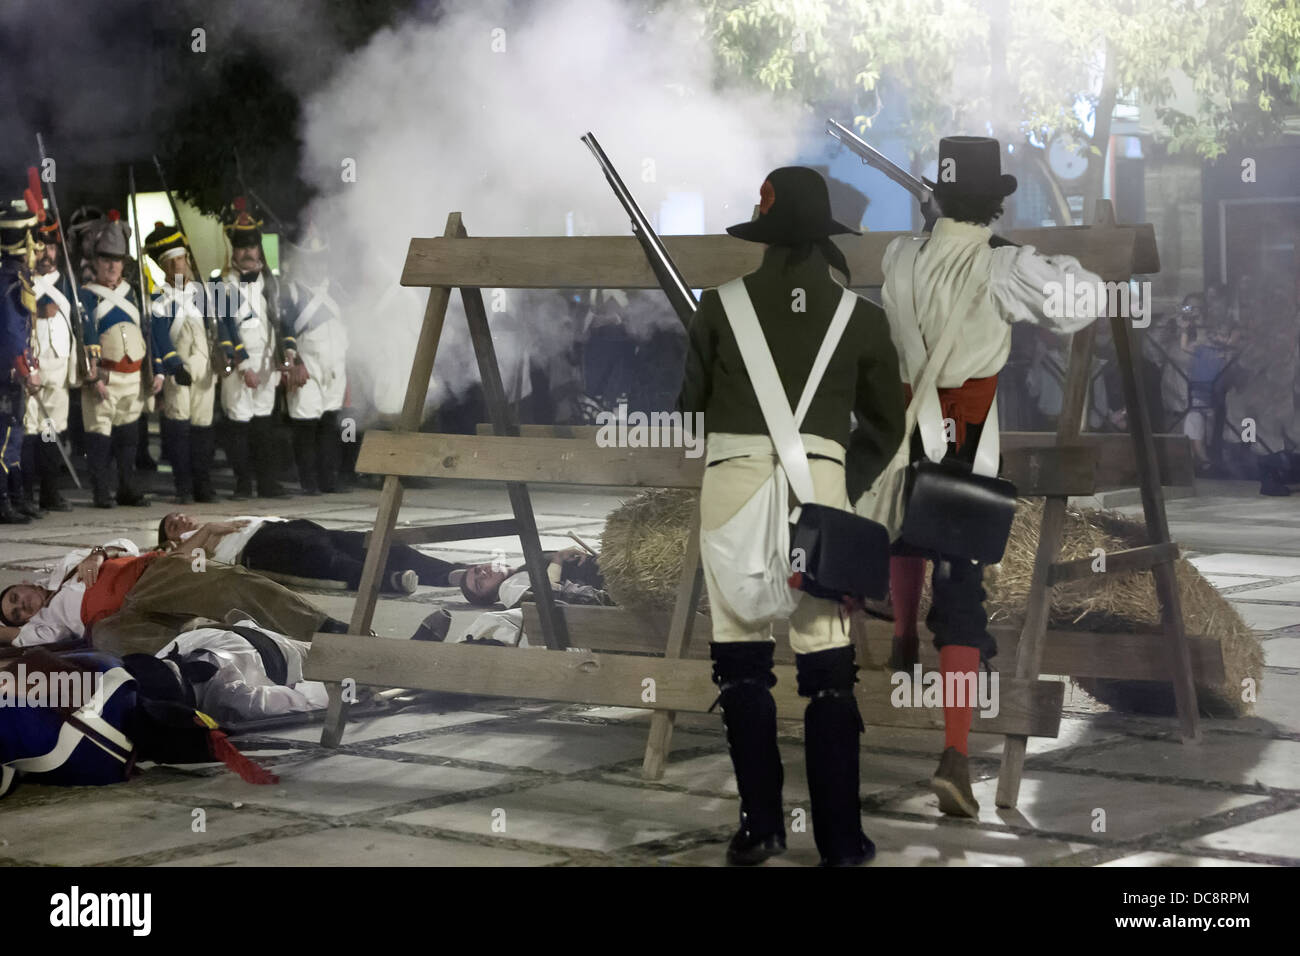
x=651 y=661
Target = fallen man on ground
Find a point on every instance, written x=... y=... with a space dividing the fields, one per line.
x=303 y=549
x=126 y=603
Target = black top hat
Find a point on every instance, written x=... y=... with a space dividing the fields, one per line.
x=794 y=207
x=971 y=166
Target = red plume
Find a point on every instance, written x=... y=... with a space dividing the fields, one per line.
x=34 y=192
x=157 y=223
x=114 y=215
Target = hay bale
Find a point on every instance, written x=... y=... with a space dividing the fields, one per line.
x=645 y=540
x=1118 y=602
x=643 y=547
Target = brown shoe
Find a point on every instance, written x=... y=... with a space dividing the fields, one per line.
x=951 y=784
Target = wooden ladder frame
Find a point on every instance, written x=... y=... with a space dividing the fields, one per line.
x=612 y=668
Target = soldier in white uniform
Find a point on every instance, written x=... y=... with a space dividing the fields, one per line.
x=248 y=306
x=55 y=348
x=183 y=305
x=315 y=343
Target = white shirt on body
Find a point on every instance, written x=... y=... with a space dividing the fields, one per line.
x=61 y=617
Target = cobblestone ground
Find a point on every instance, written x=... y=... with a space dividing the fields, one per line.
x=476 y=782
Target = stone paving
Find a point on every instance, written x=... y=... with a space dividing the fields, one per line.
x=476 y=782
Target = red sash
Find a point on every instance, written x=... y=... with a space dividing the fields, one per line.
x=116 y=577
x=967 y=404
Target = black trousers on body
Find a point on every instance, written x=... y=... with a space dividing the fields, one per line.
x=305 y=549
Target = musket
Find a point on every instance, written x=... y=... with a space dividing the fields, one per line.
x=79 y=326
x=146 y=307
x=45 y=417
x=670 y=277
x=877 y=160
x=215 y=353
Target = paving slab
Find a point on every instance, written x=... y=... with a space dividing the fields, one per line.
x=1289 y=592
x=1276 y=835
x=911 y=843
x=1223 y=581
x=583 y=814
x=1219 y=758
x=1266 y=617
x=389 y=725
x=1279 y=702
x=1066 y=803
x=337 y=785
x=365 y=846
x=555 y=746
x=108 y=827
x=1154 y=858
x=1282 y=652
x=1229 y=562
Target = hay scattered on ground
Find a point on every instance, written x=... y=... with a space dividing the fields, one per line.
x=645 y=540
x=643 y=547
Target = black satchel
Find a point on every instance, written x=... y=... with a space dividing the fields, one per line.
x=952 y=511
x=835 y=553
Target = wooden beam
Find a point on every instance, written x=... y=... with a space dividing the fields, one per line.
x=617 y=262
x=1117 y=562
x=1031 y=708
x=559 y=460
x=1120 y=655
x=461 y=531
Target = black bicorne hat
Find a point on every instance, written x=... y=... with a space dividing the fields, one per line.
x=794 y=207
x=971 y=166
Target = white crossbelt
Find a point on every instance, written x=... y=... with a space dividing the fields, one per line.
x=47 y=284
x=110 y=299
x=320 y=297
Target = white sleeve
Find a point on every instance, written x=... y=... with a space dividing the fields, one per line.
x=1027 y=287
x=43 y=628
x=887 y=301
x=125 y=544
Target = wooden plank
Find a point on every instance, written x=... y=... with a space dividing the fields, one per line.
x=1120 y=655
x=1153 y=510
x=1031 y=708
x=680 y=629
x=617 y=262
x=1117 y=562
x=1043 y=472
x=460 y=531
x=1115 y=465
x=558 y=460
x=1124 y=655
x=504 y=424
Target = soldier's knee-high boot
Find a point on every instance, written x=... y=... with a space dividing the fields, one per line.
x=49 y=468
x=14 y=482
x=202 y=448
x=241 y=462
x=126 y=439
x=743 y=673
x=99 y=449
x=143 y=459
x=832 y=725
x=27 y=472
x=328 y=451
x=176 y=436
x=261 y=441
x=304 y=454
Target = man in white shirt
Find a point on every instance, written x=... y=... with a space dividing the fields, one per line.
x=59 y=617
x=1010 y=284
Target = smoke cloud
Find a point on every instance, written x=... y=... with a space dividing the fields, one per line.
x=481 y=112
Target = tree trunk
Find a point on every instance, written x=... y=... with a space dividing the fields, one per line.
x=1095 y=177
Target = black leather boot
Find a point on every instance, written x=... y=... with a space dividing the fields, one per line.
x=29 y=468
x=18 y=496
x=49 y=469
x=99 y=449
x=176 y=437
x=261 y=443
x=241 y=463
x=328 y=452
x=143 y=459
x=126 y=440
x=304 y=454
x=832 y=725
x=9 y=513
x=743 y=673
x=202 y=449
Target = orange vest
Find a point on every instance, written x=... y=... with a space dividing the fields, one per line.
x=967 y=404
